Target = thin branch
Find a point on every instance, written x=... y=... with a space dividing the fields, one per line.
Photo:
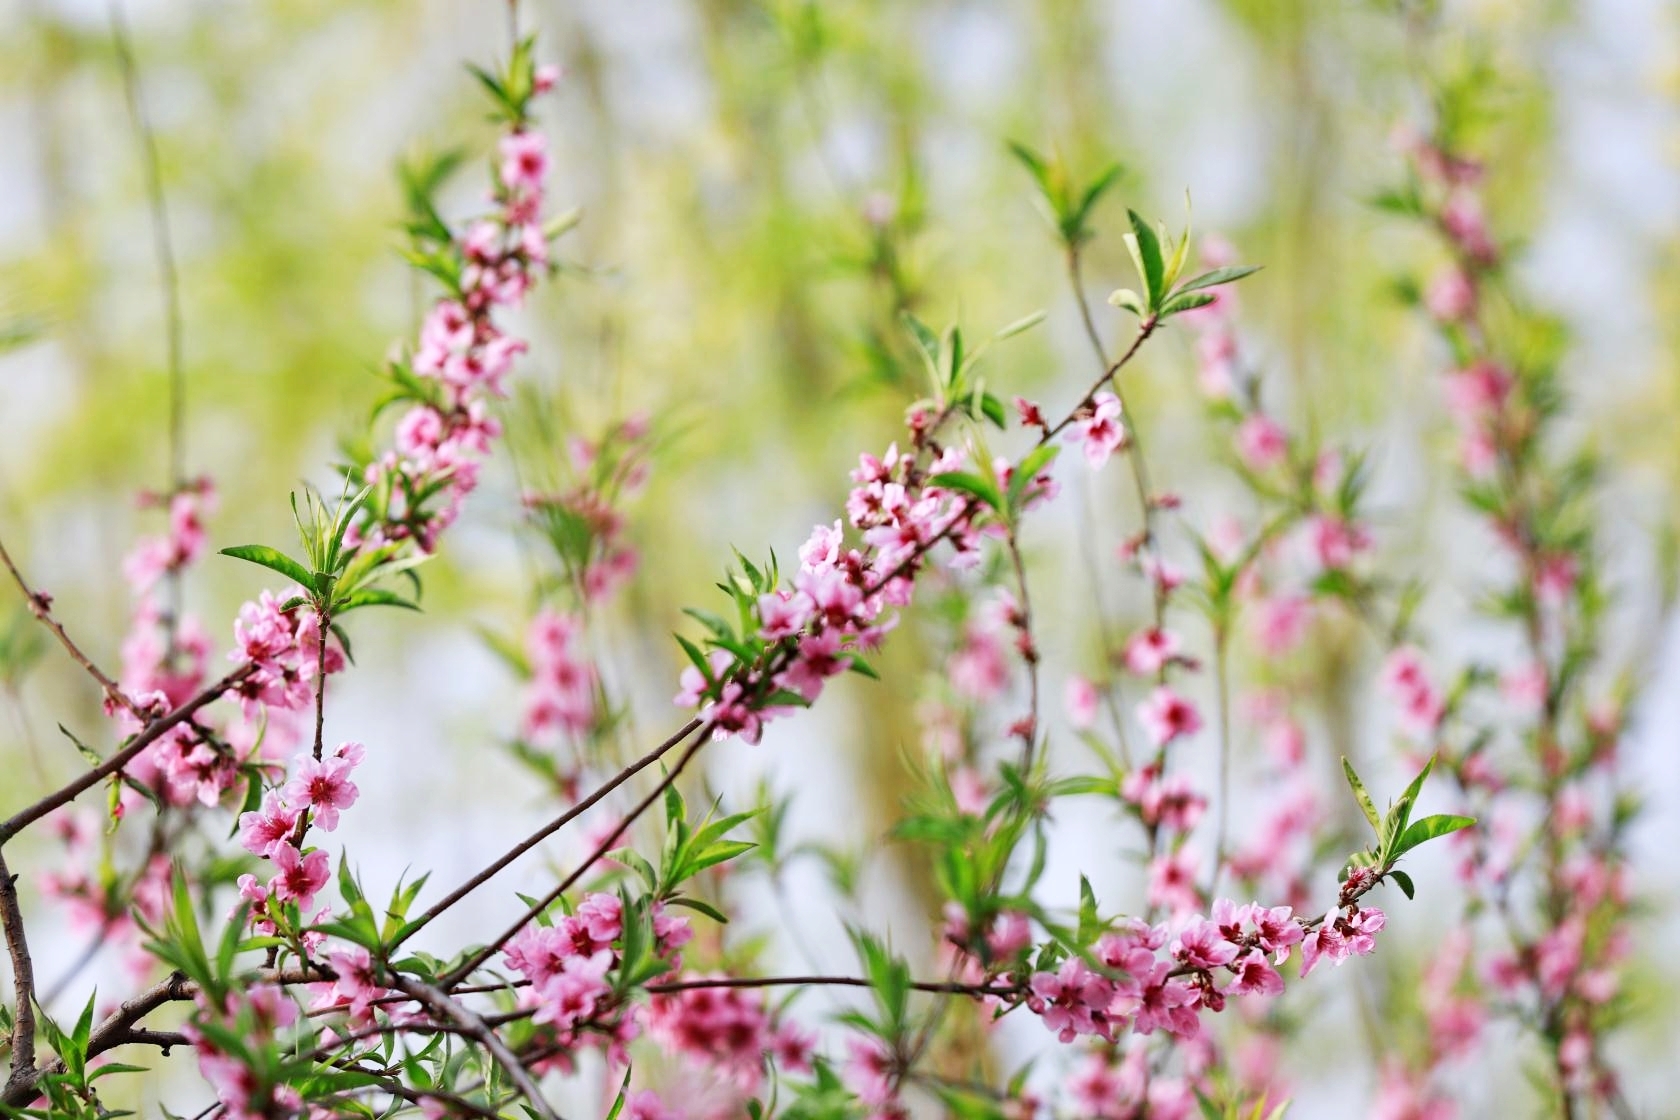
x=146 y=141
x=169 y=281
x=40 y=605
x=442 y=1003
x=1028 y=651
x=467 y=967
x=148 y=735
x=547 y=830
x=23 y=982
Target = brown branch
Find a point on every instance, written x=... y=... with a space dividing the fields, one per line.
x=148 y=735
x=547 y=830
x=23 y=983
x=467 y=967
x=479 y=1029
x=40 y=605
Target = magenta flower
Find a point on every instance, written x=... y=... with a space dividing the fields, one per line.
x=1148 y=651
x=1166 y=716
x=1261 y=442
x=301 y=877
x=1100 y=430
x=325 y=787
x=1081 y=699
x=261 y=830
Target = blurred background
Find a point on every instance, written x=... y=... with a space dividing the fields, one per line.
x=762 y=184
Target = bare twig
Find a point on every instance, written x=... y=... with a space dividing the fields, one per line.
x=40 y=605
x=148 y=735
x=547 y=830
x=23 y=982
x=440 y=1001
x=169 y=282
x=467 y=967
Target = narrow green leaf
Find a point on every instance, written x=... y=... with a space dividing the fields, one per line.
x=1216 y=277
x=1145 y=248
x=983 y=489
x=1429 y=828
x=1366 y=805
x=372 y=597
x=274 y=559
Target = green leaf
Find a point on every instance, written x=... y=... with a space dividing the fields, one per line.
x=1029 y=468
x=981 y=488
x=698 y=906
x=1366 y=805
x=992 y=409
x=274 y=559
x=1404 y=882
x=1216 y=277
x=623 y=1095
x=1429 y=828
x=1145 y=248
x=1128 y=300
x=1095 y=191
x=1187 y=302
x=1025 y=323
x=372 y=597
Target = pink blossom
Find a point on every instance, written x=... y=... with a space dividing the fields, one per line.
x=1072 y=1001
x=1100 y=430
x=524 y=161
x=1255 y=976
x=1526 y=688
x=1148 y=651
x=1081 y=699
x=324 y=786
x=1261 y=442
x=979 y=670
x=261 y=830
x=1166 y=716
x=783 y=614
x=300 y=877
x=1172 y=882
x=1336 y=542
x=1280 y=622
x=1451 y=297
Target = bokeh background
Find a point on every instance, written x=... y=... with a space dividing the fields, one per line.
x=736 y=163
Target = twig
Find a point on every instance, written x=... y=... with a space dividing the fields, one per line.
x=169 y=280
x=40 y=605
x=148 y=735
x=466 y=968
x=23 y=982
x=546 y=831
x=439 y=1001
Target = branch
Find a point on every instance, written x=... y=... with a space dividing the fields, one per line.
x=40 y=605
x=23 y=980
x=148 y=735
x=466 y=968
x=479 y=1029
x=547 y=830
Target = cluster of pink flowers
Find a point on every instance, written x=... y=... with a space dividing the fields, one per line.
x=319 y=790
x=1560 y=969
x=729 y=1030
x=567 y=966
x=440 y=445
x=840 y=594
x=262 y=1011
x=1153 y=978
x=152 y=558
x=560 y=698
x=1406 y=680
x=281 y=640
